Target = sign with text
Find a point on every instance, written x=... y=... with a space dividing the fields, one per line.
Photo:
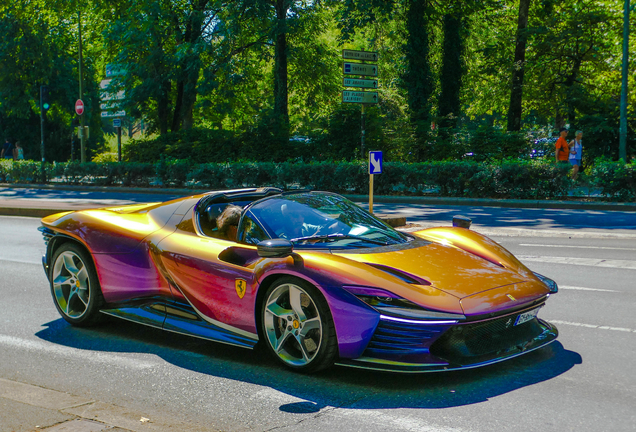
x=360 y=55
x=350 y=96
x=359 y=82
x=360 y=69
x=113 y=114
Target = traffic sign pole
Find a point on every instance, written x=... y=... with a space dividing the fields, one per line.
x=371 y=193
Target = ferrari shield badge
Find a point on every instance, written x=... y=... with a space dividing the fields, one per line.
x=241 y=285
x=509 y=296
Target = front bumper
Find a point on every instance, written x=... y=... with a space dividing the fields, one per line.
x=446 y=354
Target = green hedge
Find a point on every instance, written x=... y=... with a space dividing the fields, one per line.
x=617 y=180
x=506 y=179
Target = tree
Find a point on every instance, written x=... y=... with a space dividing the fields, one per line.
x=516 y=93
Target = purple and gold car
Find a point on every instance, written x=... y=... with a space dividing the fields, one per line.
x=311 y=276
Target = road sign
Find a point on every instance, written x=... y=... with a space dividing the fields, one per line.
x=360 y=55
x=359 y=82
x=108 y=94
x=375 y=162
x=117 y=123
x=359 y=97
x=115 y=70
x=79 y=107
x=113 y=113
x=360 y=69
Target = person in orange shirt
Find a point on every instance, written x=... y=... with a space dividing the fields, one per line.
x=562 y=153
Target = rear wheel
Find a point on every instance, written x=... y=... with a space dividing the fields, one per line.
x=297 y=325
x=75 y=286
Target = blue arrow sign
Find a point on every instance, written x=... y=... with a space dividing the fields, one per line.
x=375 y=162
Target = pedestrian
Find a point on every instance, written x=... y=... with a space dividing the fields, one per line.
x=562 y=149
x=576 y=153
x=18 y=152
x=7 y=150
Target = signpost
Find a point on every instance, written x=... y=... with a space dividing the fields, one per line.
x=360 y=83
x=360 y=55
x=375 y=167
x=359 y=97
x=360 y=69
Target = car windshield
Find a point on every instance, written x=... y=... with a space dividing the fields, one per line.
x=321 y=220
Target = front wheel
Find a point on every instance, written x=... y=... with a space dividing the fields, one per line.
x=297 y=326
x=75 y=286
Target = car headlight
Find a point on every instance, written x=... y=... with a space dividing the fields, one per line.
x=552 y=285
x=395 y=308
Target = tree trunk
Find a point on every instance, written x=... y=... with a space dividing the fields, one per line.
x=417 y=79
x=516 y=93
x=281 y=109
x=163 y=111
x=452 y=72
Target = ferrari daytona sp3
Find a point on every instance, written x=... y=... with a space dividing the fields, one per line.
x=312 y=277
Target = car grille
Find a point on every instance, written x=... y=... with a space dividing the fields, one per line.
x=392 y=338
x=484 y=338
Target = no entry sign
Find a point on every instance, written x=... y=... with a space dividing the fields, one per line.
x=79 y=107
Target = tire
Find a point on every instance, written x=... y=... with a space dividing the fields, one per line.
x=297 y=327
x=75 y=286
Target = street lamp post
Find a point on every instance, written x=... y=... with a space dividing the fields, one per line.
x=81 y=78
x=622 y=146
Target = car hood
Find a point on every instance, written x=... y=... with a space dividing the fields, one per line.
x=447 y=268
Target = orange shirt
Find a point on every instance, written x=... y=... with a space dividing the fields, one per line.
x=563 y=151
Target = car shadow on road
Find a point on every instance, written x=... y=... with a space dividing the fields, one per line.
x=336 y=387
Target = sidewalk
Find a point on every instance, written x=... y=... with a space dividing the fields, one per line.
x=43 y=200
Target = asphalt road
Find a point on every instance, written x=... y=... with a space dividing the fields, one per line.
x=137 y=378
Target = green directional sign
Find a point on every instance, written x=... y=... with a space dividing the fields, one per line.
x=360 y=69
x=360 y=55
x=359 y=82
x=359 y=97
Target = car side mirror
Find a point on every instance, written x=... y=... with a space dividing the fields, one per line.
x=275 y=248
x=462 y=221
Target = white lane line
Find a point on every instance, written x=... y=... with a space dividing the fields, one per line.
x=621 y=329
x=594 y=262
x=360 y=416
x=20 y=261
x=76 y=353
x=576 y=247
x=566 y=287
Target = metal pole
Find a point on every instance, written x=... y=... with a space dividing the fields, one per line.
x=81 y=78
x=362 y=132
x=371 y=193
x=622 y=146
x=42 y=137
x=119 y=144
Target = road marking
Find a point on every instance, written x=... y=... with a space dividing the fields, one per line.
x=20 y=261
x=362 y=416
x=76 y=353
x=566 y=287
x=594 y=262
x=577 y=247
x=621 y=329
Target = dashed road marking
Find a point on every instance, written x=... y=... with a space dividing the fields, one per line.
x=576 y=247
x=566 y=287
x=594 y=262
x=594 y=326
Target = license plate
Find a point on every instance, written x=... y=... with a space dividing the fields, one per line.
x=527 y=316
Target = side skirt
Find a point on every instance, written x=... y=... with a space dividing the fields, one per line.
x=178 y=318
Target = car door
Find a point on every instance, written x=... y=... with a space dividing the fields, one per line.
x=214 y=276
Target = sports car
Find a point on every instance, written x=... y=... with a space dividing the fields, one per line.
x=310 y=276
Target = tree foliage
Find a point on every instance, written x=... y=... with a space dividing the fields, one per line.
x=267 y=73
